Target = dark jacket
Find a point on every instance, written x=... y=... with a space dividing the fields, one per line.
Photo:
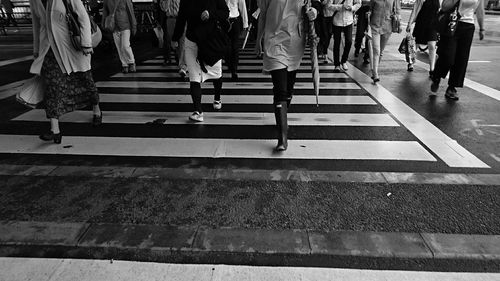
x=190 y=14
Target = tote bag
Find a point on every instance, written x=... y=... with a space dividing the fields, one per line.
x=32 y=92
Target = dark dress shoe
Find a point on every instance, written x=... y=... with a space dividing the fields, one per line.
x=50 y=136
x=97 y=120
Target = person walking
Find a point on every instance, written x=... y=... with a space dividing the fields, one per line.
x=319 y=27
x=421 y=25
x=343 y=19
x=9 y=11
x=361 y=26
x=281 y=29
x=238 y=16
x=202 y=18
x=453 y=52
x=65 y=71
x=169 y=10
x=125 y=26
x=381 y=14
x=328 y=27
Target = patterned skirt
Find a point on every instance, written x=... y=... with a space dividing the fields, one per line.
x=65 y=93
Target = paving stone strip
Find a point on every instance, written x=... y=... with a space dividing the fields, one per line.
x=156 y=242
x=250 y=174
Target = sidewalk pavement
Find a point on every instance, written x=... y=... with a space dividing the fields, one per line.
x=300 y=247
x=21 y=269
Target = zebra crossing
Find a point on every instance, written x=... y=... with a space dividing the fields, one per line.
x=146 y=115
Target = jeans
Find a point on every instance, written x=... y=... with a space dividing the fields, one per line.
x=122 y=42
x=379 y=42
x=337 y=33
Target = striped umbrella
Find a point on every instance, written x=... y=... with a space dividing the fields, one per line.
x=312 y=42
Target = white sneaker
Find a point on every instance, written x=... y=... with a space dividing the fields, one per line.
x=344 y=66
x=196 y=116
x=338 y=69
x=217 y=104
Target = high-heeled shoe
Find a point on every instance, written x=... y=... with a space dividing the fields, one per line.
x=50 y=136
x=97 y=120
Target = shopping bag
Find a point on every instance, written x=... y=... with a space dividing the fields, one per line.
x=32 y=92
x=410 y=53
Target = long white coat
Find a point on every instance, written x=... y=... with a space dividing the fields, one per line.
x=50 y=30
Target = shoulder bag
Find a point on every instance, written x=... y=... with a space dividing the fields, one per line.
x=447 y=21
x=75 y=33
x=109 y=21
x=395 y=22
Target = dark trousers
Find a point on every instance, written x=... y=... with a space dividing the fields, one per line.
x=453 y=54
x=283 y=82
x=327 y=33
x=361 y=26
x=195 y=89
x=234 y=36
x=337 y=33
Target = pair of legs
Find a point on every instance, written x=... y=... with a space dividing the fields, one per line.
x=379 y=41
x=453 y=57
x=337 y=33
x=65 y=93
x=283 y=82
x=195 y=88
x=168 y=26
x=326 y=34
x=122 y=43
x=233 y=55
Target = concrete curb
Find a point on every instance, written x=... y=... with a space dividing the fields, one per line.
x=250 y=174
x=199 y=244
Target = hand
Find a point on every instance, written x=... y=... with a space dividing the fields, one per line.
x=174 y=44
x=35 y=55
x=481 y=34
x=311 y=14
x=87 y=51
x=205 y=15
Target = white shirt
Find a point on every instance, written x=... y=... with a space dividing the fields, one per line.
x=467 y=8
x=237 y=8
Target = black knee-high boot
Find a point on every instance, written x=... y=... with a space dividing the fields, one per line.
x=280 y=113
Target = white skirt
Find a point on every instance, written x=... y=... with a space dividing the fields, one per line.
x=194 y=69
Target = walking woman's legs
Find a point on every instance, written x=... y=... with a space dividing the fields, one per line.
x=347 y=43
x=376 y=54
x=128 y=55
x=280 y=82
x=464 y=35
x=337 y=33
x=117 y=37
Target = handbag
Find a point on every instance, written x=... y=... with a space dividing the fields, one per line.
x=395 y=22
x=109 y=21
x=75 y=33
x=32 y=92
x=447 y=21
